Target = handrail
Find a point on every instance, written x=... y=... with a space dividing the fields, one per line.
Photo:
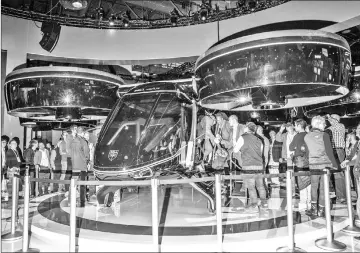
x=182 y=181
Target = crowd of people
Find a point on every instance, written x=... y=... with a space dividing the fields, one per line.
x=71 y=157
x=224 y=143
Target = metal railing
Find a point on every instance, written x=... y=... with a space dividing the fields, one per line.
x=327 y=243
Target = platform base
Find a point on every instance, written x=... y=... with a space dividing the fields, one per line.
x=324 y=244
x=12 y=237
x=351 y=230
x=287 y=249
x=29 y=250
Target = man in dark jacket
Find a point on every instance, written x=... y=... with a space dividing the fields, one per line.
x=301 y=162
x=80 y=155
x=251 y=149
x=274 y=156
x=29 y=155
x=321 y=156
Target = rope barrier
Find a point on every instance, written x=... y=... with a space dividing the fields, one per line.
x=114 y=183
x=43 y=180
x=183 y=181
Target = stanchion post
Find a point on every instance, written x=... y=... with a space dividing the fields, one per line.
x=13 y=235
x=351 y=228
x=328 y=243
x=219 y=231
x=155 y=213
x=290 y=217
x=25 y=242
x=72 y=245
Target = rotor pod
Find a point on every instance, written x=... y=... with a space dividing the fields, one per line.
x=61 y=93
x=274 y=70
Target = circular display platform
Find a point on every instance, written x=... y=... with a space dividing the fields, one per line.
x=183 y=221
x=274 y=70
x=62 y=93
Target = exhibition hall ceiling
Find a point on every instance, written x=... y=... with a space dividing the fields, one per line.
x=134 y=14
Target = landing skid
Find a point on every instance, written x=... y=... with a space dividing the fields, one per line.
x=205 y=188
x=105 y=195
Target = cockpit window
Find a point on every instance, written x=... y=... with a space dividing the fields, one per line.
x=146 y=128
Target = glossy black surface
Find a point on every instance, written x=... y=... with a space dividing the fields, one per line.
x=273 y=69
x=51 y=209
x=40 y=92
x=347 y=106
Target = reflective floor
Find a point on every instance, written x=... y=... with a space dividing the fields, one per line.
x=184 y=221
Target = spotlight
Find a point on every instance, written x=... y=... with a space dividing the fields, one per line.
x=126 y=18
x=243 y=99
x=67 y=99
x=174 y=17
x=252 y=5
x=203 y=13
x=355 y=94
x=112 y=20
x=125 y=22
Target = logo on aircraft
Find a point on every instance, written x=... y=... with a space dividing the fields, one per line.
x=113 y=154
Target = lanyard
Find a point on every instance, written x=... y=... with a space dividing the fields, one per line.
x=17 y=155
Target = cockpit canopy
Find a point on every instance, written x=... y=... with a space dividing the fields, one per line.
x=144 y=128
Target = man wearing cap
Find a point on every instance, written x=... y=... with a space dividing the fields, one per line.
x=251 y=149
x=337 y=137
